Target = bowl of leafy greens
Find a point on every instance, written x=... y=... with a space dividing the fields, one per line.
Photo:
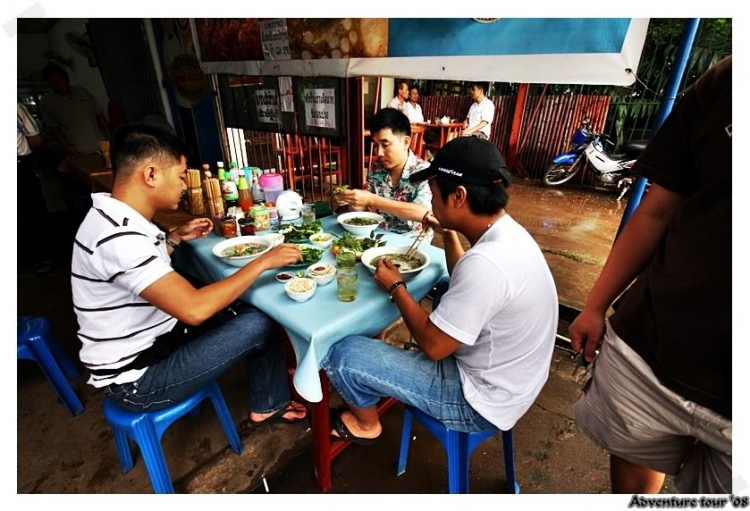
x=300 y=233
x=310 y=255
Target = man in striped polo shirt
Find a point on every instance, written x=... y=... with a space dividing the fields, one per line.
x=149 y=337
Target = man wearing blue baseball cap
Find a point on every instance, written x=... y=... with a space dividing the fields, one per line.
x=486 y=348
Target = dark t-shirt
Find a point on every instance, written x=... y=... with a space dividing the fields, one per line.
x=677 y=315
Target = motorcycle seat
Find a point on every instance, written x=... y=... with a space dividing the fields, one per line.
x=633 y=149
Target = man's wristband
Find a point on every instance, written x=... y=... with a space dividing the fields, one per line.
x=394 y=287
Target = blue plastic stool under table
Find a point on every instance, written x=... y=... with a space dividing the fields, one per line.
x=35 y=341
x=147 y=428
x=458 y=446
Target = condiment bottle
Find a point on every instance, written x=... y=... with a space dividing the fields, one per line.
x=221 y=173
x=245 y=199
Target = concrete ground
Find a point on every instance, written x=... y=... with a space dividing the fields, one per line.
x=61 y=454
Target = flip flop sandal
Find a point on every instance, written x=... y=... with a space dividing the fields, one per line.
x=346 y=435
x=278 y=416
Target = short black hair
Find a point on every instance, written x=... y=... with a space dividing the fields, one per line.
x=392 y=119
x=54 y=68
x=485 y=86
x=414 y=87
x=431 y=136
x=134 y=143
x=483 y=200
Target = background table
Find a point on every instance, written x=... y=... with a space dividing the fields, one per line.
x=445 y=130
x=314 y=326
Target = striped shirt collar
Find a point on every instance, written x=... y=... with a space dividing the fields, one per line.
x=123 y=215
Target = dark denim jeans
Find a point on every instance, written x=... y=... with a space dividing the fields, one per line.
x=363 y=370
x=251 y=333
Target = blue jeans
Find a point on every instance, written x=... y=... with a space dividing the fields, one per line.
x=363 y=370
x=194 y=364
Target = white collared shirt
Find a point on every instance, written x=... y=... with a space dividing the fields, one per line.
x=25 y=127
x=117 y=254
x=395 y=103
x=484 y=111
x=414 y=113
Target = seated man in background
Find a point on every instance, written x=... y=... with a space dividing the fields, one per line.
x=150 y=339
x=399 y=100
x=388 y=190
x=486 y=348
x=411 y=108
x=481 y=114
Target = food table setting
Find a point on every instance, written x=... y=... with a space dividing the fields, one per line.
x=320 y=301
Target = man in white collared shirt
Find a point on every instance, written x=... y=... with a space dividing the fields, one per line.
x=481 y=113
x=411 y=108
x=399 y=100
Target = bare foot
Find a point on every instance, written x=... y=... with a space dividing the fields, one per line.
x=296 y=411
x=356 y=428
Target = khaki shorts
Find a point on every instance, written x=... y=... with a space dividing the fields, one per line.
x=631 y=415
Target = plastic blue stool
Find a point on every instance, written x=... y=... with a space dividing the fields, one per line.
x=458 y=447
x=147 y=428
x=35 y=341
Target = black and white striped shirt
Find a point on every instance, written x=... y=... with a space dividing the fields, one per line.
x=117 y=254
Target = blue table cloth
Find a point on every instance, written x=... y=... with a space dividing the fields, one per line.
x=314 y=326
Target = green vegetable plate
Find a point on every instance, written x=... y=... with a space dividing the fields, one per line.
x=311 y=254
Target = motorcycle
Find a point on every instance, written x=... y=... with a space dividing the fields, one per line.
x=609 y=171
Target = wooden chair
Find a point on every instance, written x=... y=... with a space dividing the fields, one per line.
x=328 y=159
x=417 y=140
x=290 y=151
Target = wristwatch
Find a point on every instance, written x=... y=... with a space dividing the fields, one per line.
x=172 y=243
x=394 y=287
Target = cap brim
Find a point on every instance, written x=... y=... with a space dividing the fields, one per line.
x=423 y=175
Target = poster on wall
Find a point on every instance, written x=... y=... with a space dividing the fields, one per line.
x=183 y=66
x=274 y=39
x=320 y=108
x=267 y=105
x=226 y=39
x=287 y=94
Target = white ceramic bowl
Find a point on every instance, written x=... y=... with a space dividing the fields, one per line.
x=300 y=297
x=275 y=238
x=370 y=254
x=361 y=231
x=243 y=260
x=322 y=278
x=322 y=240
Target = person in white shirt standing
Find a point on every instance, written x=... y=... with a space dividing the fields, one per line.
x=31 y=209
x=412 y=109
x=399 y=100
x=150 y=338
x=486 y=348
x=481 y=113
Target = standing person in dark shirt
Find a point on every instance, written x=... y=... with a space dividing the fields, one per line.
x=658 y=396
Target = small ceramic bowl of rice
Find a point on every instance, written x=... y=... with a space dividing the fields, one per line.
x=300 y=289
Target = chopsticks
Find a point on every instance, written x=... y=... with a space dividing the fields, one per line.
x=213 y=194
x=414 y=246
